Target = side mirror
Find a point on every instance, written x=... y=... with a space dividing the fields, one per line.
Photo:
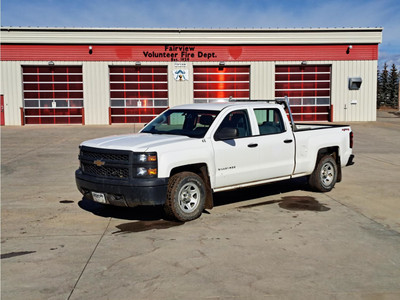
x=226 y=133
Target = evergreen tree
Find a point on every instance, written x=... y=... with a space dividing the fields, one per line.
x=383 y=82
x=393 y=86
x=379 y=96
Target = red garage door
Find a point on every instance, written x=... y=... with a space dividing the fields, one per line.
x=308 y=89
x=53 y=95
x=212 y=84
x=137 y=94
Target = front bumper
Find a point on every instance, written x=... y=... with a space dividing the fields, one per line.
x=124 y=193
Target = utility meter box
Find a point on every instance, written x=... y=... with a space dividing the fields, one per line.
x=355 y=83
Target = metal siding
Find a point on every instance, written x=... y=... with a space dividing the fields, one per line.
x=192 y=36
x=210 y=53
x=365 y=109
x=96 y=91
x=96 y=87
x=372 y=93
x=11 y=88
x=180 y=92
x=262 y=80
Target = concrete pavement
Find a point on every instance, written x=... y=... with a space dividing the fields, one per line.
x=278 y=241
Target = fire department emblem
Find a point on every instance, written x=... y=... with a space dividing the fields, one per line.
x=181 y=75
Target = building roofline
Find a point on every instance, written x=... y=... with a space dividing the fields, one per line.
x=194 y=36
x=122 y=29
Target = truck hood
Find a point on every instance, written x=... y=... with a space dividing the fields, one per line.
x=135 y=142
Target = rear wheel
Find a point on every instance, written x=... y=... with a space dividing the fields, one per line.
x=324 y=176
x=185 y=197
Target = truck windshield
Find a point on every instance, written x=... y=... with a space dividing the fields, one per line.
x=191 y=123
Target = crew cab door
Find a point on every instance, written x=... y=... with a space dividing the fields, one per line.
x=235 y=150
x=275 y=143
x=260 y=152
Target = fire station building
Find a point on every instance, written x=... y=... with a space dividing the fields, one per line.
x=110 y=76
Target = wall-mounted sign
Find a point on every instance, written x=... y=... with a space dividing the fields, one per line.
x=180 y=53
x=181 y=74
x=180 y=64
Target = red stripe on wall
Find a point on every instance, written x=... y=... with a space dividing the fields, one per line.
x=187 y=53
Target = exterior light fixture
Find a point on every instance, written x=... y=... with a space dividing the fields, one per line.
x=348 y=49
x=138 y=63
x=303 y=63
x=222 y=63
x=355 y=83
x=90 y=49
x=51 y=63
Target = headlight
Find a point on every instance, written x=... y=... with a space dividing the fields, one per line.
x=145 y=157
x=145 y=165
x=146 y=172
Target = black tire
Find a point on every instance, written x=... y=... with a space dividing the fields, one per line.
x=324 y=176
x=185 y=197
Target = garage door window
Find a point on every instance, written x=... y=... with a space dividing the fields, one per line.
x=137 y=94
x=308 y=89
x=53 y=95
x=213 y=84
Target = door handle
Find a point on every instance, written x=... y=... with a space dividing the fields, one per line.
x=252 y=145
x=287 y=141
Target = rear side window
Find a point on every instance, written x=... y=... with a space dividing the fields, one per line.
x=269 y=121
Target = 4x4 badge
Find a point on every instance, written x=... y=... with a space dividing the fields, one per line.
x=99 y=163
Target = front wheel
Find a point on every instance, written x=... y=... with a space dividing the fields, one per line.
x=185 y=196
x=324 y=176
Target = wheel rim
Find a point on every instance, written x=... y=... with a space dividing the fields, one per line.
x=327 y=174
x=189 y=197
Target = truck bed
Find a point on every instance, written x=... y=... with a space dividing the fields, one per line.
x=306 y=126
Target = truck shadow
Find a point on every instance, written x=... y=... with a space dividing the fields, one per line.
x=244 y=194
x=140 y=213
x=153 y=213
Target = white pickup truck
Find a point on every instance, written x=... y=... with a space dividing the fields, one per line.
x=188 y=152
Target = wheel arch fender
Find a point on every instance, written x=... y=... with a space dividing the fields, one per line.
x=202 y=170
x=334 y=151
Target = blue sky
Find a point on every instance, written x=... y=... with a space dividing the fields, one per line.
x=212 y=14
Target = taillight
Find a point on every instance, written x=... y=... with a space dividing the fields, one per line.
x=351 y=139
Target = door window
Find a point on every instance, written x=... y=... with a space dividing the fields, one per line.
x=238 y=120
x=269 y=121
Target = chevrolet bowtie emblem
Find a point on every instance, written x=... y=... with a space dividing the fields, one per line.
x=99 y=163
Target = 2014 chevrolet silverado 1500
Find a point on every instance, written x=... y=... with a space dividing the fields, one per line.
x=188 y=152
